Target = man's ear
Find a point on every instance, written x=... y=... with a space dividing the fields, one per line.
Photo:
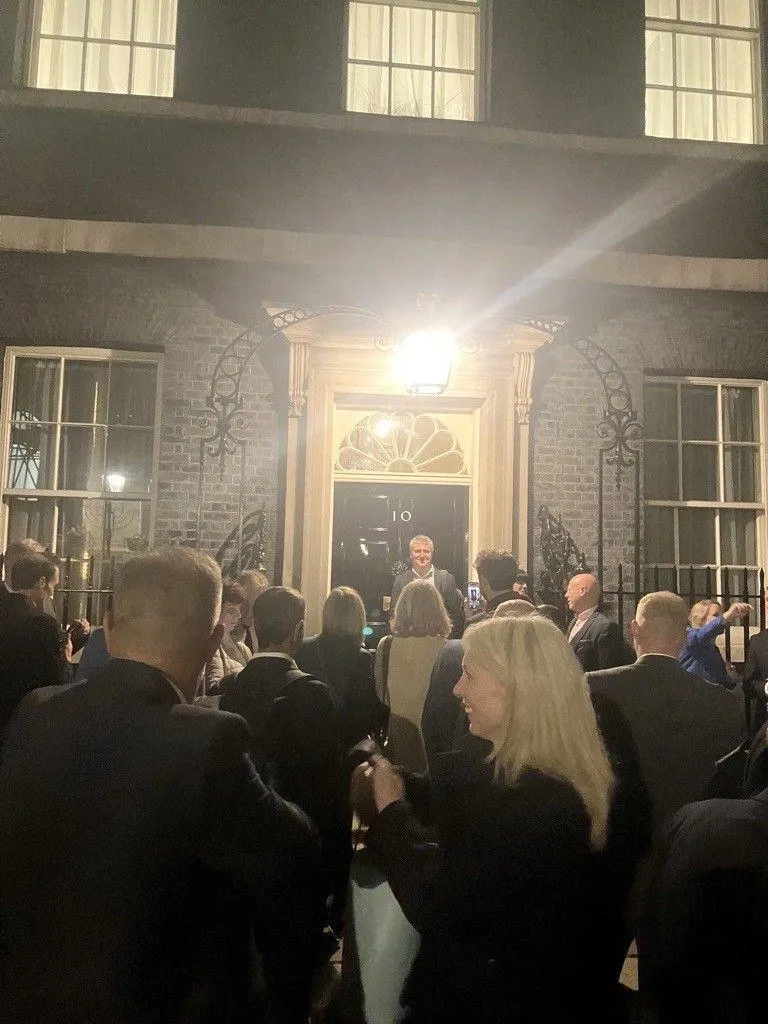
x=214 y=640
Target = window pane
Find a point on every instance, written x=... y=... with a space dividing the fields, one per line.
x=63 y=17
x=129 y=454
x=156 y=21
x=81 y=527
x=697 y=10
x=661 y=8
x=740 y=414
x=412 y=35
x=152 y=72
x=81 y=461
x=31 y=517
x=106 y=67
x=660 y=410
x=659 y=535
x=738 y=537
x=128 y=525
x=737 y=13
x=411 y=92
x=696 y=530
x=30 y=458
x=696 y=584
x=700 y=472
x=665 y=580
x=368 y=88
x=36 y=389
x=659 y=58
x=110 y=19
x=733 y=64
x=695 y=118
x=85 y=392
x=698 y=413
x=455 y=40
x=454 y=96
x=368 y=32
x=741 y=467
x=59 y=65
x=694 y=61
x=735 y=119
x=660 y=467
x=660 y=113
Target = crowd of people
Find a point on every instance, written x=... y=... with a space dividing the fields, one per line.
x=182 y=791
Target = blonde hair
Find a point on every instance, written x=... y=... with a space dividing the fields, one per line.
x=550 y=724
x=699 y=612
x=253 y=577
x=420 y=538
x=344 y=613
x=514 y=609
x=420 y=611
x=167 y=598
x=663 y=613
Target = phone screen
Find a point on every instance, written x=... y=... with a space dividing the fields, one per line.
x=473 y=595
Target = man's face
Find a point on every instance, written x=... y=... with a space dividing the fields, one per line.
x=421 y=557
x=521 y=587
x=573 y=594
x=52 y=585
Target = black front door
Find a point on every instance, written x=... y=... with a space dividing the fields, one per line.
x=374 y=523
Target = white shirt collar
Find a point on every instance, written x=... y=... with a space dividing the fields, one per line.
x=430 y=575
x=273 y=654
x=586 y=614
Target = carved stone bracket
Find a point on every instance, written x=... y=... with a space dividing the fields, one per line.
x=297 y=380
x=522 y=370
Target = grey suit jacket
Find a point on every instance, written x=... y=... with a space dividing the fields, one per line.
x=681 y=725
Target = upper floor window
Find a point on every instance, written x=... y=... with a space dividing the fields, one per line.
x=705 y=493
x=702 y=70
x=416 y=59
x=122 y=46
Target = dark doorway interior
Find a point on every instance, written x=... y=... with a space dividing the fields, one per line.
x=373 y=525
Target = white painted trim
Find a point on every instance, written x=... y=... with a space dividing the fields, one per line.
x=290 y=248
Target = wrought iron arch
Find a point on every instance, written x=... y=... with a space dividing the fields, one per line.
x=225 y=419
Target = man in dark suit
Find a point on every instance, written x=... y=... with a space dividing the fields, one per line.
x=443 y=720
x=595 y=640
x=704 y=946
x=33 y=648
x=421 y=551
x=497 y=574
x=139 y=849
x=680 y=723
x=755 y=678
x=295 y=730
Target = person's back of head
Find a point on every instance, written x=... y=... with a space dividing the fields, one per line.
x=165 y=612
x=344 y=615
x=253 y=583
x=19 y=549
x=498 y=568
x=278 y=619
x=514 y=609
x=549 y=723
x=36 y=576
x=420 y=611
x=659 y=624
x=703 y=611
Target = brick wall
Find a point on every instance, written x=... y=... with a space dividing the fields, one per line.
x=102 y=303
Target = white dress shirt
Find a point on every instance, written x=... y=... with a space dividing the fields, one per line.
x=580 y=622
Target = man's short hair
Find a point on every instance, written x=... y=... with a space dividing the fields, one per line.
x=232 y=592
x=26 y=572
x=20 y=549
x=662 y=611
x=253 y=578
x=277 y=611
x=421 y=538
x=500 y=568
x=167 y=598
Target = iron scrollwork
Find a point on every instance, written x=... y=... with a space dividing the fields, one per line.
x=559 y=554
x=246 y=548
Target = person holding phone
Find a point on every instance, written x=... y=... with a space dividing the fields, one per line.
x=497 y=572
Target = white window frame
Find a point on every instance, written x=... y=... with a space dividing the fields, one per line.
x=761 y=533
x=34 y=35
x=713 y=31
x=15 y=352
x=480 y=9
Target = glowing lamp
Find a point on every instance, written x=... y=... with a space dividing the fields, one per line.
x=425 y=359
x=115 y=482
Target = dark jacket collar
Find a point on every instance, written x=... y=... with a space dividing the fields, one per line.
x=505 y=595
x=133 y=680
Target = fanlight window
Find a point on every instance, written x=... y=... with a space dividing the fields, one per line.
x=401 y=443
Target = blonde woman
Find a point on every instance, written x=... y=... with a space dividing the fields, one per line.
x=707 y=620
x=336 y=656
x=500 y=859
x=403 y=668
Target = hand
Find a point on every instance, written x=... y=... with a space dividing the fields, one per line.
x=361 y=793
x=80 y=630
x=387 y=783
x=738 y=610
x=66 y=647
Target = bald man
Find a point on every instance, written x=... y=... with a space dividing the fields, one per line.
x=594 y=638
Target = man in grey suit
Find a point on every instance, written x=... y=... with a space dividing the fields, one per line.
x=680 y=723
x=421 y=551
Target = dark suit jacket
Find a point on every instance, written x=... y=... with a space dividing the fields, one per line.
x=445 y=584
x=600 y=644
x=30 y=653
x=755 y=676
x=443 y=721
x=680 y=723
x=347 y=669
x=296 y=744
x=136 y=841
x=704 y=946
